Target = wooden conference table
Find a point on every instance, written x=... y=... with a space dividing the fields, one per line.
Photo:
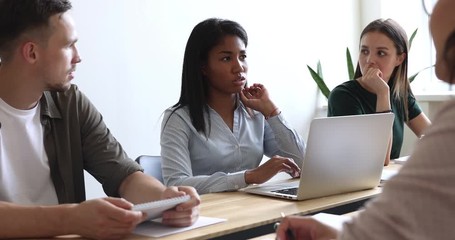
x=249 y=215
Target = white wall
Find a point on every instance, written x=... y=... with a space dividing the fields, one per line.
x=132 y=55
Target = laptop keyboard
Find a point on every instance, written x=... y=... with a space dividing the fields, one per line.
x=288 y=191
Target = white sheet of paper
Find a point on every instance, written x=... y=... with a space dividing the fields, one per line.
x=156 y=229
x=401 y=160
x=388 y=174
x=335 y=221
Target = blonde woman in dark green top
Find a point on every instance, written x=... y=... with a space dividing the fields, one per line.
x=381 y=83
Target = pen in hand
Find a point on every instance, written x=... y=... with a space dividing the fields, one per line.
x=289 y=233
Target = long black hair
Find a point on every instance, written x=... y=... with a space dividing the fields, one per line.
x=194 y=91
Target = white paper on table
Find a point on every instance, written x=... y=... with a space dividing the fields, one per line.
x=388 y=174
x=401 y=160
x=156 y=229
x=335 y=221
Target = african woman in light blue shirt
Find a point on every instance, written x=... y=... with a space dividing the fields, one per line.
x=216 y=135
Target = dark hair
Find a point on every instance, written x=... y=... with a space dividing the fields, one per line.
x=449 y=56
x=398 y=82
x=19 y=16
x=194 y=91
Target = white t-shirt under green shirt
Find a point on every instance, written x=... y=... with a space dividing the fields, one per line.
x=24 y=168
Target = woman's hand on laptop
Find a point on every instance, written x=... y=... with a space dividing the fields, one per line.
x=270 y=168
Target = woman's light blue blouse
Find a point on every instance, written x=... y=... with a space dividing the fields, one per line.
x=218 y=162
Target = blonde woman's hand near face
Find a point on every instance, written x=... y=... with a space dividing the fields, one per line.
x=372 y=80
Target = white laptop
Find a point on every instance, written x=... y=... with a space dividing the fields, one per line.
x=343 y=154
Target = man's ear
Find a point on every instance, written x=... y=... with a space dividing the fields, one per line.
x=29 y=52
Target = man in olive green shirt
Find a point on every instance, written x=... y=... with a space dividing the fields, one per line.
x=50 y=133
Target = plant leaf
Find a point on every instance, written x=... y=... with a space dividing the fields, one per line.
x=319 y=70
x=411 y=78
x=320 y=82
x=350 y=65
x=412 y=38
